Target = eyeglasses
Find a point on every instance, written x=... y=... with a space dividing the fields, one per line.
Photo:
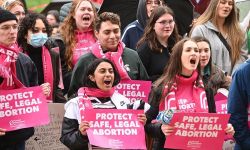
x=166 y=22
x=153 y=2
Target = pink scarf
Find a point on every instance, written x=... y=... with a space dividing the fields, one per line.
x=8 y=57
x=57 y=50
x=115 y=57
x=48 y=70
x=85 y=92
x=199 y=96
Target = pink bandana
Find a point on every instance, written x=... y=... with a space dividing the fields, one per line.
x=115 y=57
x=8 y=59
x=199 y=96
x=87 y=91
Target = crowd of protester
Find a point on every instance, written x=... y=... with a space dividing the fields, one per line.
x=77 y=48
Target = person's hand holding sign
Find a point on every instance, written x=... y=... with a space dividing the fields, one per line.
x=83 y=127
x=167 y=129
x=46 y=89
x=142 y=118
x=230 y=129
x=2 y=132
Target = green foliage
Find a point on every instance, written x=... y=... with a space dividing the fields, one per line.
x=37 y=5
x=244 y=8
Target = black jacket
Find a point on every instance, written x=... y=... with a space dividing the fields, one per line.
x=66 y=71
x=55 y=58
x=77 y=140
x=27 y=74
x=57 y=92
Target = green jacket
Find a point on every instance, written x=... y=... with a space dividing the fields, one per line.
x=130 y=59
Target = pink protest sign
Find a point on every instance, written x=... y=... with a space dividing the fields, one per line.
x=22 y=108
x=221 y=107
x=197 y=131
x=134 y=89
x=113 y=128
x=221 y=103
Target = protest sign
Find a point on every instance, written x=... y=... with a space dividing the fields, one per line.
x=134 y=89
x=47 y=137
x=21 y=108
x=221 y=103
x=197 y=131
x=117 y=129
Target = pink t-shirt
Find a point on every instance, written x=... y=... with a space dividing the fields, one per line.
x=83 y=43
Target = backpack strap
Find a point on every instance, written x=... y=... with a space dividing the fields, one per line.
x=224 y=41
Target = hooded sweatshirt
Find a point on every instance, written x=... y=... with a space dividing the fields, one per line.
x=134 y=31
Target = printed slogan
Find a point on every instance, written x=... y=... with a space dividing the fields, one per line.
x=114 y=128
x=20 y=108
x=221 y=103
x=197 y=131
x=134 y=89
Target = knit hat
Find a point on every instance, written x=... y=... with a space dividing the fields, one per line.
x=6 y=16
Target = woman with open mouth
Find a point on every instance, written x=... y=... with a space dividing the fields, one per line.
x=77 y=31
x=99 y=80
x=219 y=24
x=180 y=88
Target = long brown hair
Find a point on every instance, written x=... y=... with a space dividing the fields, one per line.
x=231 y=25
x=174 y=67
x=67 y=30
x=149 y=32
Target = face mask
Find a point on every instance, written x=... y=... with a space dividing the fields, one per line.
x=38 y=39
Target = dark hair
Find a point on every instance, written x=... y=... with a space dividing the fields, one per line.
x=107 y=16
x=91 y=69
x=54 y=13
x=149 y=32
x=27 y=23
x=203 y=39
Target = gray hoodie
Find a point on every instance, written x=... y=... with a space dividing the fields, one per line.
x=220 y=54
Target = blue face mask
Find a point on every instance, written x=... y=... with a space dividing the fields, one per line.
x=38 y=39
